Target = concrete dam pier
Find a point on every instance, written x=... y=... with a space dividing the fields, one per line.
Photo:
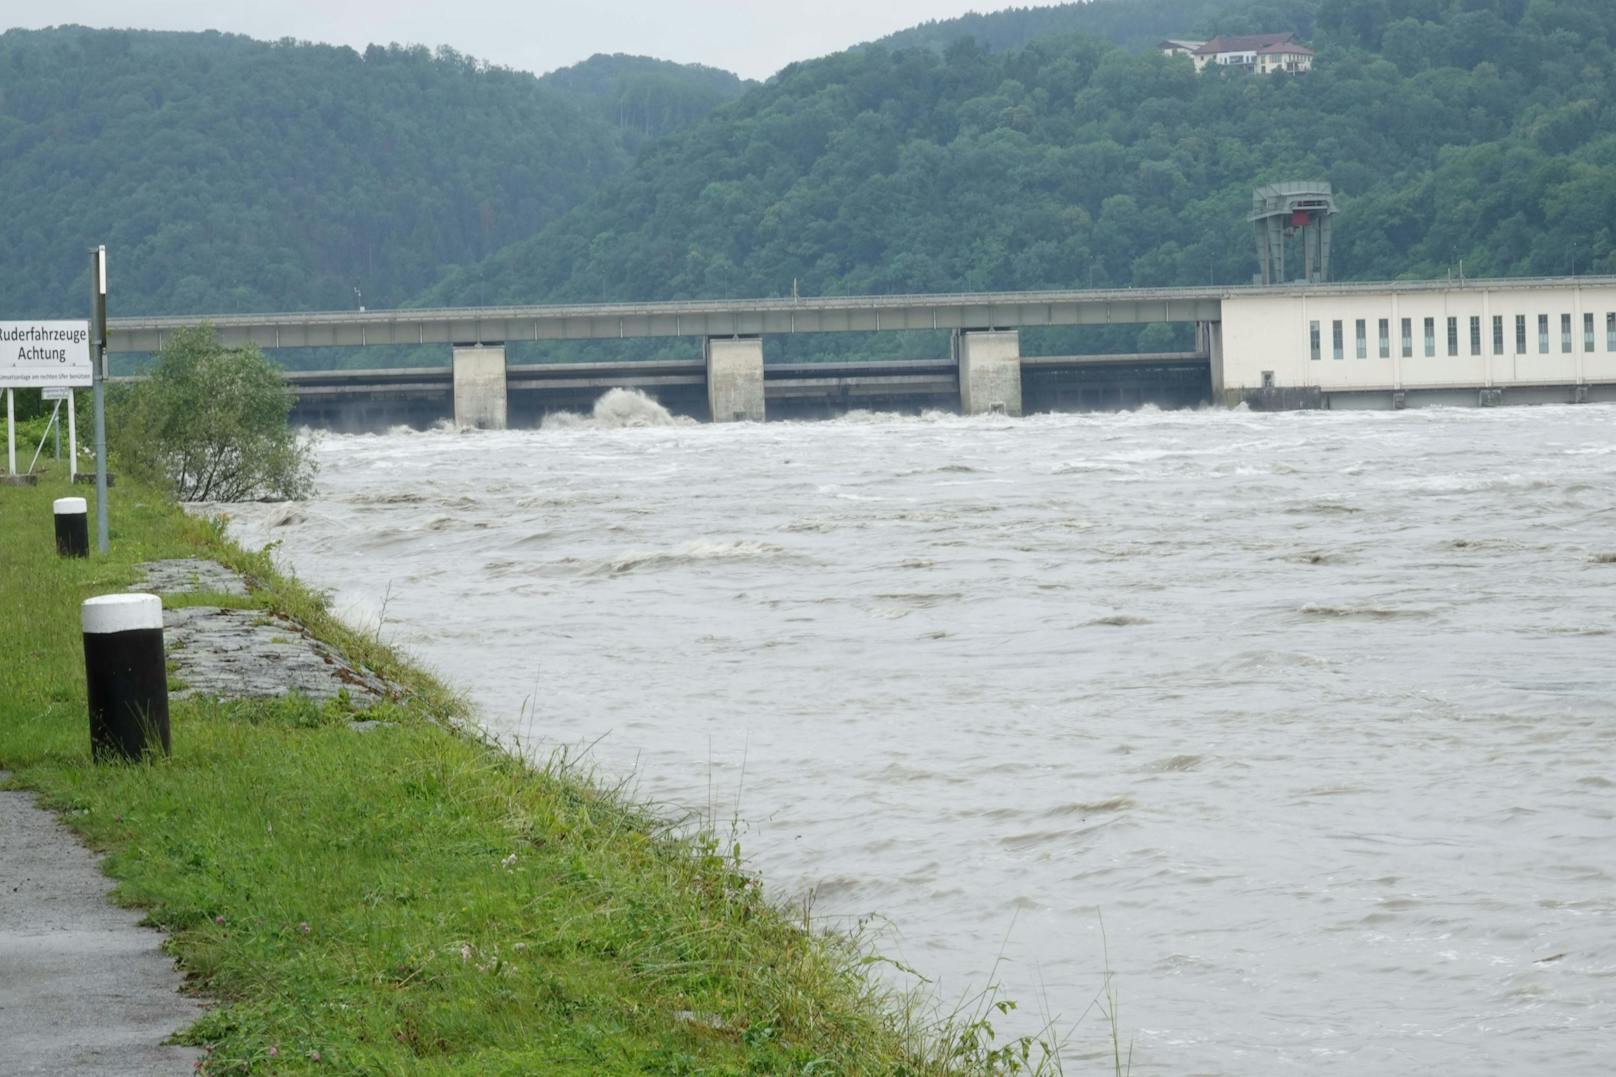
x=732 y=383
x=1305 y=345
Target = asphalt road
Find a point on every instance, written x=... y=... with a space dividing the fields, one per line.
x=84 y=988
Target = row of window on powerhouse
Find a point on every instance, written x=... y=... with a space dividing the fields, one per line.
x=1360 y=326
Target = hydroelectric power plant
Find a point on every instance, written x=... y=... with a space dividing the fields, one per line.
x=1286 y=346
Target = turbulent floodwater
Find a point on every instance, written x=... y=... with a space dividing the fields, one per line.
x=1317 y=710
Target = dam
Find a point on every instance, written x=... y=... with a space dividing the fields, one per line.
x=1275 y=347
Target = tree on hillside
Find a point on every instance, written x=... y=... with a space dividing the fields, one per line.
x=210 y=421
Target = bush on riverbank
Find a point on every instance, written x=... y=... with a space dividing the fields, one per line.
x=210 y=422
x=407 y=897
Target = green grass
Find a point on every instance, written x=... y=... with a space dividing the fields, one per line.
x=409 y=899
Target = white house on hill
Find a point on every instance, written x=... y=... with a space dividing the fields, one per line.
x=1261 y=53
x=1175 y=47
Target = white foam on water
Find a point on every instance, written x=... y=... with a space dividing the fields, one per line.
x=618 y=409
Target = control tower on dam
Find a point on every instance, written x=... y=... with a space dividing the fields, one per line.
x=1300 y=345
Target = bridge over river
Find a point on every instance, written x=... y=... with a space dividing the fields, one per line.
x=1378 y=344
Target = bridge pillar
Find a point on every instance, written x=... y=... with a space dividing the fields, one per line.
x=479 y=386
x=1209 y=342
x=735 y=379
x=989 y=371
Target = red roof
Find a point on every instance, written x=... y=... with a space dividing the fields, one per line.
x=1294 y=48
x=1248 y=43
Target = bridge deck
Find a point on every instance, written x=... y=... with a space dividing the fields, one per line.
x=745 y=317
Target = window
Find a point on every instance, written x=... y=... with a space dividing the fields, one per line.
x=1520 y=334
x=1475 y=335
x=1565 y=332
x=1587 y=332
x=1363 y=345
x=1498 y=334
x=1408 y=337
x=1610 y=332
x=1339 y=351
x=1385 y=338
x=1543 y=334
x=1453 y=336
x=1430 y=337
x=1313 y=340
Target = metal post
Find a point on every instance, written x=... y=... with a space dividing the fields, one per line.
x=98 y=334
x=11 y=436
x=72 y=438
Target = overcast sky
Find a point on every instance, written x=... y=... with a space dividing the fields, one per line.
x=752 y=39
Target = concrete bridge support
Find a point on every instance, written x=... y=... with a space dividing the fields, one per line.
x=1209 y=342
x=479 y=386
x=735 y=379
x=989 y=371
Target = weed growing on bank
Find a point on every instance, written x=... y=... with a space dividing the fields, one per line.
x=403 y=895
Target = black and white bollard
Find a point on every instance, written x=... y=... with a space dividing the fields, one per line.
x=72 y=527
x=128 y=682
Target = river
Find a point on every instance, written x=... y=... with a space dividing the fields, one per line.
x=1315 y=712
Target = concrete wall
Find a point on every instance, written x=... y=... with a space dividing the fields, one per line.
x=990 y=371
x=1209 y=341
x=735 y=379
x=479 y=387
x=1273 y=333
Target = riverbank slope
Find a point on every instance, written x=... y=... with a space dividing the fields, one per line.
x=384 y=895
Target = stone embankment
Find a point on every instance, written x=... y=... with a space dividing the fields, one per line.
x=226 y=652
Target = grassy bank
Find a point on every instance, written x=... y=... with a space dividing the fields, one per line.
x=406 y=898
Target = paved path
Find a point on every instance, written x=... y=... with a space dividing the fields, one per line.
x=84 y=989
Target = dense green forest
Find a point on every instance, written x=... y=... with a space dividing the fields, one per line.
x=1474 y=130
x=226 y=174
x=644 y=98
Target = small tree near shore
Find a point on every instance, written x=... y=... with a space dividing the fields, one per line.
x=211 y=421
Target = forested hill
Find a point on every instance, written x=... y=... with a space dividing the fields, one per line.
x=642 y=97
x=227 y=174
x=1481 y=130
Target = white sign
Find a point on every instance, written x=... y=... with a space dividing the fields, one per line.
x=39 y=354
x=54 y=393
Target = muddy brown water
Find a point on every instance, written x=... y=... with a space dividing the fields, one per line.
x=1317 y=711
